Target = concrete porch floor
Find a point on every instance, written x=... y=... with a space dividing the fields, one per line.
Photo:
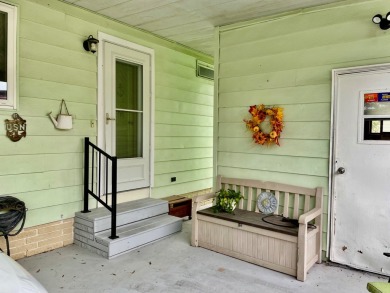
x=172 y=265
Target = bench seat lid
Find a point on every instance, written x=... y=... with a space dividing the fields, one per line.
x=253 y=219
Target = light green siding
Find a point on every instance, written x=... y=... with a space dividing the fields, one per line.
x=45 y=168
x=286 y=60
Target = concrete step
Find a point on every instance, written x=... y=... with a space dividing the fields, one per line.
x=131 y=236
x=100 y=219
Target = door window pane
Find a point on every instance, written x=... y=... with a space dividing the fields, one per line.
x=128 y=86
x=129 y=115
x=377 y=104
x=377 y=129
x=128 y=134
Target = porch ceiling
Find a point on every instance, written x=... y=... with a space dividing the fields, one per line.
x=190 y=22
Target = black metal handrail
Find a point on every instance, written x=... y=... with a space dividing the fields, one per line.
x=101 y=168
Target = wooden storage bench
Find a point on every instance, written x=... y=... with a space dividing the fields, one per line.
x=244 y=235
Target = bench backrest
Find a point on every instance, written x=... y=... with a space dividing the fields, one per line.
x=293 y=201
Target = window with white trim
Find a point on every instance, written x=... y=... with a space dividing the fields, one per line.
x=8 y=21
x=374 y=124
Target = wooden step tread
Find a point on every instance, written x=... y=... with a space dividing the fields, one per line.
x=122 y=208
x=136 y=228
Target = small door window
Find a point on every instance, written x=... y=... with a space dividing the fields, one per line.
x=376 y=129
x=376 y=116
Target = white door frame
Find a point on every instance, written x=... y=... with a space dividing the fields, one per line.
x=103 y=37
x=335 y=83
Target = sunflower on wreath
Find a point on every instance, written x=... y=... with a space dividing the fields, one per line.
x=259 y=114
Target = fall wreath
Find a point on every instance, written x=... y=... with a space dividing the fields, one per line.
x=259 y=114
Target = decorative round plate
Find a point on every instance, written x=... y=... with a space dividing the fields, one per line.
x=267 y=203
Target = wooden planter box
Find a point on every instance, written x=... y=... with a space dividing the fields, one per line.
x=179 y=206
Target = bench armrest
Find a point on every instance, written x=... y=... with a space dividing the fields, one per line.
x=200 y=198
x=310 y=215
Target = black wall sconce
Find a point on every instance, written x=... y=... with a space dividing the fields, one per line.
x=384 y=23
x=90 y=44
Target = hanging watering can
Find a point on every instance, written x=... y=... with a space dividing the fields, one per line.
x=64 y=120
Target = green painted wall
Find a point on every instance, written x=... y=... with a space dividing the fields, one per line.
x=45 y=168
x=286 y=60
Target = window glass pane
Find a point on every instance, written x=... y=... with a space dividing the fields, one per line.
x=377 y=129
x=377 y=104
x=129 y=125
x=3 y=55
x=128 y=86
x=128 y=134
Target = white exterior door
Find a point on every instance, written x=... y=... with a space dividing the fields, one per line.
x=360 y=217
x=127 y=113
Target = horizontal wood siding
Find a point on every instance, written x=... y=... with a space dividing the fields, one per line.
x=286 y=61
x=184 y=127
x=45 y=168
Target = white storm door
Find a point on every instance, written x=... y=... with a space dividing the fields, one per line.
x=127 y=113
x=360 y=223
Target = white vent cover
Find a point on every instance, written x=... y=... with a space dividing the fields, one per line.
x=204 y=70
